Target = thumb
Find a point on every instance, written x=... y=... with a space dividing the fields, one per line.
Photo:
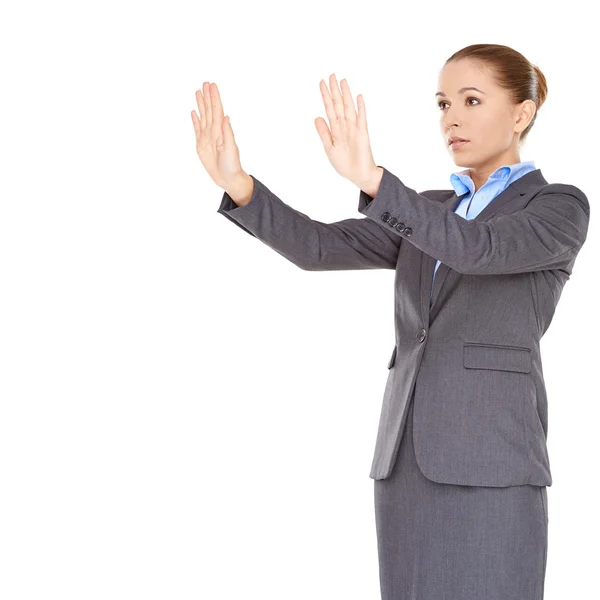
x=324 y=133
x=229 y=131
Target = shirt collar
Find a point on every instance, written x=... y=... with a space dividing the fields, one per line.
x=462 y=183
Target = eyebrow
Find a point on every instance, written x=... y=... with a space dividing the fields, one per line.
x=461 y=91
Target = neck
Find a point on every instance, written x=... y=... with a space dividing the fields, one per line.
x=481 y=173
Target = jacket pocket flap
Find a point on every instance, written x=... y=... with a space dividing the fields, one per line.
x=495 y=356
x=392 y=359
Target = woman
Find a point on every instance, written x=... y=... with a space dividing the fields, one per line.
x=461 y=507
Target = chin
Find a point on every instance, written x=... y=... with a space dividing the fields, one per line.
x=459 y=161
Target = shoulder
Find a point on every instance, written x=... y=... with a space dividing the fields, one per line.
x=565 y=192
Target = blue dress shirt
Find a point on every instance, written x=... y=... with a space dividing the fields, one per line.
x=472 y=204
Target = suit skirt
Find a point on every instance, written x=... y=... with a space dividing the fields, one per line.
x=439 y=541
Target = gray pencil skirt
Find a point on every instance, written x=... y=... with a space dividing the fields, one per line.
x=439 y=541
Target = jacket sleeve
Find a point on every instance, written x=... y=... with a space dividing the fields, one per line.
x=357 y=243
x=546 y=234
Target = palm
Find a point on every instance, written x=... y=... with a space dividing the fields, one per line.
x=215 y=142
x=347 y=144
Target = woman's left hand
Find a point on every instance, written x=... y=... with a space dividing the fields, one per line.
x=347 y=145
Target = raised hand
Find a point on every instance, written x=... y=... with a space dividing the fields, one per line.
x=347 y=144
x=215 y=143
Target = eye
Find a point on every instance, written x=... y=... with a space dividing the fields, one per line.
x=469 y=98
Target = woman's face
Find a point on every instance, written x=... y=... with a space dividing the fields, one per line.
x=485 y=116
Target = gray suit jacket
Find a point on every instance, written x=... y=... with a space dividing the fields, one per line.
x=471 y=355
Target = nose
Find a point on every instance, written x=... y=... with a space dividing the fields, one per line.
x=449 y=122
x=449 y=118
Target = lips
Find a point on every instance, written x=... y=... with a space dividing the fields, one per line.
x=457 y=143
x=453 y=139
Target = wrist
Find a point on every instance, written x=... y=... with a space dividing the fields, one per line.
x=371 y=186
x=241 y=189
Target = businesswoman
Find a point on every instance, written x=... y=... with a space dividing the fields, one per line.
x=460 y=465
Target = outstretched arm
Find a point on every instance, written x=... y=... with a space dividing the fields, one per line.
x=312 y=245
x=547 y=234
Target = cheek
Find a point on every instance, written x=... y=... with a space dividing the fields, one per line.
x=497 y=120
x=490 y=127
x=486 y=119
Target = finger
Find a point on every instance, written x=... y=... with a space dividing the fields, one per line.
x=362 y=113
x=200 y=103
x=338 y=103
x=329 y=109
x=217 y=106
x=207 y=104
x=196 y=123
x=349 y=109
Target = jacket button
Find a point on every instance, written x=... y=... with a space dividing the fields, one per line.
x=392 y=221
x=400 y=226
x=385 y=216
x=408 y=231
x=422 y=335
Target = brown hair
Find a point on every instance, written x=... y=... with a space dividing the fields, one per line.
x=512 y=72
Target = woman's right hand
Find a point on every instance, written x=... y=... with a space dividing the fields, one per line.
x=215 y=143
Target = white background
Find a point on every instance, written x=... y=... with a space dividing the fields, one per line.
x=183 y=412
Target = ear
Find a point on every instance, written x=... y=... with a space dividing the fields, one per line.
x=524 y=114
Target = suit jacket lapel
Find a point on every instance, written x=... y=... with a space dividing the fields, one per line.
x=503 y=200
